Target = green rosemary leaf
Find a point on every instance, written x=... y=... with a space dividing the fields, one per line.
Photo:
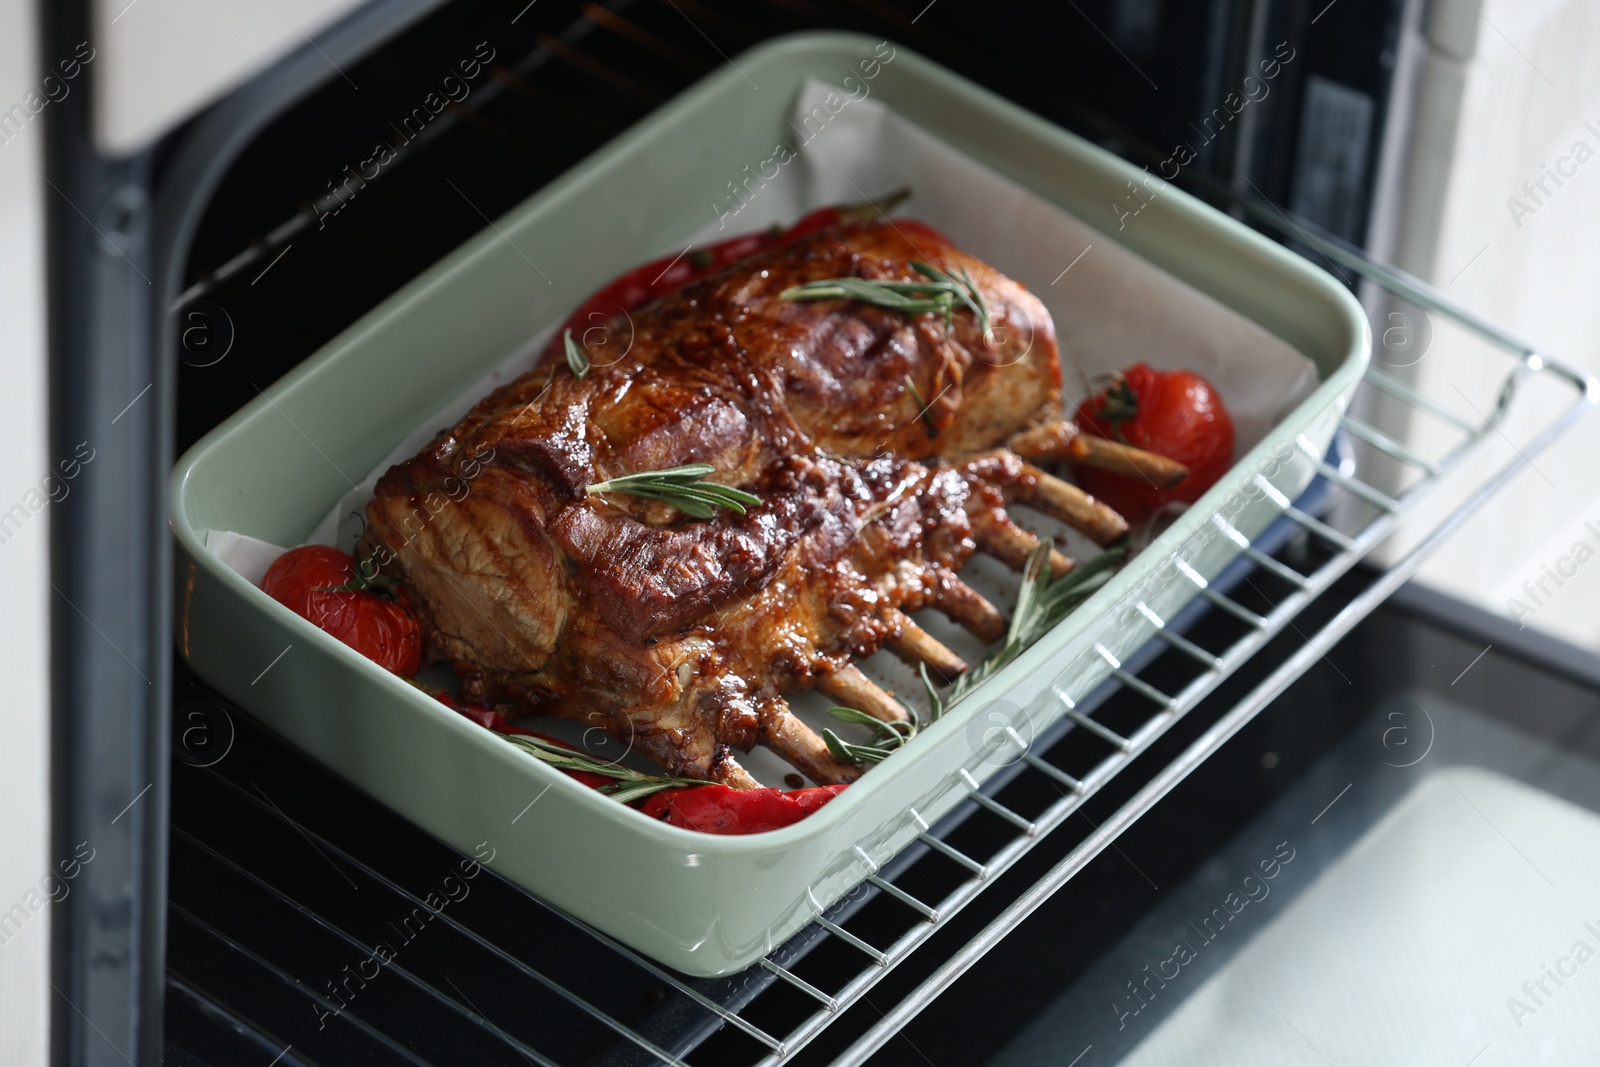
x=1048 y=602
x=1076 y=585
x=853 y=715
x=911 y=297
x=979 y=307
x=940 y=293
x=886 y=737
x=935 y=702
x=965 y=291
x=569 y=759
x=945 y=282
x=923 y=406
x=860 y=755
x=884 y=734
x=1030 y=612
x=628 y=792
x=1041 y=604
x=683 y=488
x=836 y=746
x=839 y=749
x=630 y=784
x=575 y=357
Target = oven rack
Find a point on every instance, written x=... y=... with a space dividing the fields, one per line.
x=1098 y=737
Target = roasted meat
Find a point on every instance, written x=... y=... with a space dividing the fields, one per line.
x=875 y=440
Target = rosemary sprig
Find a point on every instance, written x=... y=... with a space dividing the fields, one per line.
x=683 y=488
x=941 y=293
x=630 y=785
x=935 y=701
x=575 y=357
x=911 y=297
x=1041 y=603
x=886 y=739
x=923 y=407
x=966 y=291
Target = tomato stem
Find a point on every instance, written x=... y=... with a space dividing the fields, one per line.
x=1117 y=403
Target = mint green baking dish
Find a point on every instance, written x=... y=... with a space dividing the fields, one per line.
x=704 y=905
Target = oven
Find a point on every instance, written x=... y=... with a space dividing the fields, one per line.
x=1299 y=704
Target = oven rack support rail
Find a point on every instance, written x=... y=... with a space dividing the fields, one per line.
x=1345 y=550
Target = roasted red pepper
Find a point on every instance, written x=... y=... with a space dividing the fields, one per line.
x=717 y=809
x=665 y=276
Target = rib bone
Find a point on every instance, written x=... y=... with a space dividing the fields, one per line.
x=1063 y=440
x=1071 y=505
x=801 y=746
x=853 y=689
x=967 y=607
x=916 y=645
x=1003 y=539
x=735 y=776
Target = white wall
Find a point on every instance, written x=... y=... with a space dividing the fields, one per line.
x=162 y=60
x=24 y=662
x=1508 y=88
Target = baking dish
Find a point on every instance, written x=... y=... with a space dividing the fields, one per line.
x=705 y=905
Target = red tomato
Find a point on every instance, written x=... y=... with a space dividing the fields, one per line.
x=1175 y=414
x=305 y=580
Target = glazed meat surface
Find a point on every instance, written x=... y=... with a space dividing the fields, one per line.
x=872 y=437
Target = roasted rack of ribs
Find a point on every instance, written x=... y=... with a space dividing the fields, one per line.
x=884 y=448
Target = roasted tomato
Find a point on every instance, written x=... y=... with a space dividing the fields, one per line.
x=1176 y=414
x=323 y=585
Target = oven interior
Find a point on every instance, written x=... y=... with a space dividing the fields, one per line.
x=273 y=909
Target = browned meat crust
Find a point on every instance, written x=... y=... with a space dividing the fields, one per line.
x=680 y=636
